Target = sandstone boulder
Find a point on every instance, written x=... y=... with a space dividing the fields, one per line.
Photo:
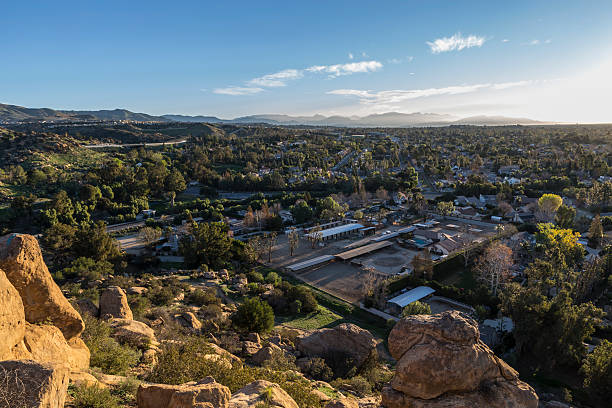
x=12 y=317
x=351 y=340
x=443 y=363
x=343 y=403
x=266 y=353
x=249 y=348
x=46 y=344
x=43 y=301
x=188 y=320
x=114 y=303
x=136 y=334
x=86 y=306
x=189 y=395
x=137 y=290
x=225 y=354
x=261 y=392
x=26 y=383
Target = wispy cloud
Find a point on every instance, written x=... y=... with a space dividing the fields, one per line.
x=400 y=60
x=455 y=43
x=351 y=56
x=238 y=90
x=277 y=79
x=346 y=69
x=505 y=40
x=538 y=42
x=280 y=78
x=400 y=95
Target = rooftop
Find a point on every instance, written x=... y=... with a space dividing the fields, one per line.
x=336 y=230
x=413 y=295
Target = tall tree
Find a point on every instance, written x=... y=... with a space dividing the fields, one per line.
x=493 y=266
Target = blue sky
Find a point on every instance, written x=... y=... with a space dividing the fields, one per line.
x=548 y=60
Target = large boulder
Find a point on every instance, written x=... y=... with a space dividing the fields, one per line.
x=443 y=363
x=188 y=320
x=346 y=339
x=12 y=317
x=26 y=383
x=261 y=392
x=43 y=301
x=267 y=353
x=189 y=395
x=86 y=306
x=114 y=303
x=46 y=344
x=136 y=334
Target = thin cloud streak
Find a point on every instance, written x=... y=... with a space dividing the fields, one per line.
x=280 y=78
x=237 y=90
x=396 y=96
x=456 y=42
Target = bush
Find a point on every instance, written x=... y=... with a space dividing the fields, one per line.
x=356 y=385
x=106 y=354
x=416 y=308
x=203 y=297
x=597 y=369
x=317 y=369
x=254 y=316
x=93 y=397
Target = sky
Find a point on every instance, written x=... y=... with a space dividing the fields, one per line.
x=544 y=60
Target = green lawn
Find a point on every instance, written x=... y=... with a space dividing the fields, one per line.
x=323 y=317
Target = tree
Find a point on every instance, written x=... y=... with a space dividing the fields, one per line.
x=382 y=194
x=559 y=243
x=565 y=216
x=595 y=232
x=294 y=240
x=445 y=208
x=254 y=316
x=422 y=265
x=301 y=212
x=269 y=242
x=408 y=178
x=208 y=244
x=493 y=267
x=88 y=269
x=416 y=308
x=149 y=235
x=94 y=242
x=548 y=204
x=597 y=369
x=330 y=209
x=258 y=245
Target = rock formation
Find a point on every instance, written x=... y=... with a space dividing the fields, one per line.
x=189 y=395
x=443 y=363
x=39 y=328
x=43 y=301
x=26 y=383
x=261 y=392
x=347 y=338
x=113 y=303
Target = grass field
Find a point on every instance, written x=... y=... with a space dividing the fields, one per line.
x=323 y=317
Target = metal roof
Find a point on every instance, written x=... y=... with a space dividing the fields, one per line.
x=310 y=262
x=394 y=234
x=336 y=230
x=413 y=295
x=363 y=250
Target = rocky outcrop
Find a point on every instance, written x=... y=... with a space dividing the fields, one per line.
x=188 y=320
x=43 y=301
x=114 y=303
x=136 y=334
x=26 y=383
x=12 y=317
x=441 y=362
x=351 y=340
x=267 y=353
x=343 y=403
x=46 y=344
x=87 y=306
x=189 y=395
x=261 y=392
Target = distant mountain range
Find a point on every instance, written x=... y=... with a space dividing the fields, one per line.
x=13 y=113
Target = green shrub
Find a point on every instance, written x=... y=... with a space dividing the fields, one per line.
x=203 y=297
x=356 y=385
x=106 y=354
x=93 y=397
x=416 y=308
x=254 y=316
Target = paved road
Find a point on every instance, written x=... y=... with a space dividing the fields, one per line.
x=108 y=145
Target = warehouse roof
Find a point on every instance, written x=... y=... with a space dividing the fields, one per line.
x=310 y=262
x=363 y=250
x=413 y=295
x=336 y=230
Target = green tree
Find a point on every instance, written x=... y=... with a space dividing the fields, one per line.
x=254 y=316
x=597 y=369
x=208 y=244
x=445 y=208
x=595 y=232
x=330 y=209
x=565 y=216
x=301 y=212
x=88 y=269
